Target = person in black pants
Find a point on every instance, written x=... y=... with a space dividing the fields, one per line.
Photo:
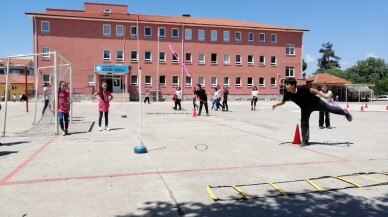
x=225 y=99
x=308 y=101
x=324 y=116
x=202 y=96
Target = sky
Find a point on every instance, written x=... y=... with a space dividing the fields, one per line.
x=358 y=29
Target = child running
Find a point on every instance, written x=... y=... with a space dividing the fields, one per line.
x=308 y=101
x=104 y=97
x=255 y=96
x=63 y=107
x=202 y=96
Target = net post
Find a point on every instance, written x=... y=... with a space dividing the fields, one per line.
x=6 y=96
x=56 y=94
x=71 y=92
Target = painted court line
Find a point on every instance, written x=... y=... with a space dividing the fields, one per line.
x=32 y=181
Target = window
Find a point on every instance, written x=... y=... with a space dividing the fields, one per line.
x=106 y=30
x=290 y=71
x=162 y=32
x=106 y=55
x=187 y=57
x=46 y=78
x=226 y=36
x=201 y=35
x=273 y=82
x=188 y=81
x=213 y=81
x=262 y=60
x=188 y=34
x=134 y=56
x=175 y=33
x=261 y=82
x=213 y=35
x=226 y=59
x=250 y=82
x=147 y=32
x=238 y=81
x=290 y=49
x=213 y=58
x=175 y=80
x=238 y=59
x=107 y=11
x=273 y=61
x=147 y=80
x=90 y=80
x=147 y=56
x=250 y=37
x=226 y=81
x=201 y=58
x=120 y=56
x=238 y=36
x=133 y=79
x=250 y=59
x=174 y=58
x=46 y=55
x=262 y=38
x=274 y=38
x=133 y=31
x=201 y=81
x=162 y=81
x=45 y=26
x=119 y=31
x=162 y=57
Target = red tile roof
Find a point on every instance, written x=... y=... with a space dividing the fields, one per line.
x=25 y=62
x=157 y=19
x=324 y=78
x=17 y=79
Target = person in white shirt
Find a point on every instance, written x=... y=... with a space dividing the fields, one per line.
x=147 y=97
x=46 y=96
x=255 y=96
x=178 y=98
x=324 y=116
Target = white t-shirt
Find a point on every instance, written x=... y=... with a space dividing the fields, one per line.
x=255 y=93
x=178 y=94
x=46 y=93
x=329 y=93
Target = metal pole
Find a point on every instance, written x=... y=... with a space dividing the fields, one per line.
x=6 y=97
x=182 y=59
x=157 y=70
x=36 y=94
x=26 y=90
x=71 y=92
x=56 y=94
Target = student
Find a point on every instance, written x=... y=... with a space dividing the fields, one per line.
x=178 y=98
x=195 y=98
x=14 y=97
x=104 y=98
x=255 y=96
x=63 y=107
x=324 y=116
x=202 y=96
x=46 y=96
x=216 y=97
x=20 y=97
x=2 y=97
x=308 y=102
x=147 y=97
x=225 y=99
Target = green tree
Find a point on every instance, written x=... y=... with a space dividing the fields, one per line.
x=304 y=66
x=368 y=71
x=328 y=60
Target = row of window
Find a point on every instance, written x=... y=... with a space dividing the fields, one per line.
x=188 y=58
x=188 y=33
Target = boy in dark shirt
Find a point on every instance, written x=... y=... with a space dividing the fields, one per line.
x=308 y=101
x=202 y=96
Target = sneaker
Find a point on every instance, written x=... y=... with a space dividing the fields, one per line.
x=329 y=127
x=63 y=133
x=107 y=128
x=207 y=114
x=304 y=143
x=348 y=115
x=66 y=132
x=99 y=129
x=251 y=109
x=199 y=114
x=321 y=127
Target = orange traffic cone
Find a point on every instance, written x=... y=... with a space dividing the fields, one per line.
x=194 y=112
x=386 y=108
x=297 y=136
x=362 y=108
x=347 y=105
x=366 y=105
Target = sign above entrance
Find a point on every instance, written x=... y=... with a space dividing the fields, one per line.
x=111 y=68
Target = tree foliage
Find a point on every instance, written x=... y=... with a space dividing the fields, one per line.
x=328 y=60
x=304 y=66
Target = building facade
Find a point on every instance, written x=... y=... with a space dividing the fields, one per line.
x=215 y=52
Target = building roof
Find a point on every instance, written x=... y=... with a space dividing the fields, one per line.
x=174 y=20
x=324 y=78
x=13 y=61
x=17 y=79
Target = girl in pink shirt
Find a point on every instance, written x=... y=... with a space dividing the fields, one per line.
x=63 y=107
x=104 y=97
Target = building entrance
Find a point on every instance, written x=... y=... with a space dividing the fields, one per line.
x=115 y=82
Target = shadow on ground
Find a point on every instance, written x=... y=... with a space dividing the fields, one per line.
x=336 y=203
x=3 y=153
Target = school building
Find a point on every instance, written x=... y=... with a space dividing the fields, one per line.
x=222 y=52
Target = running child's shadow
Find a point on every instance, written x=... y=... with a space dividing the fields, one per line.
x=113 y=129
x=333 y=143
x=3 y=153
x=14 y=143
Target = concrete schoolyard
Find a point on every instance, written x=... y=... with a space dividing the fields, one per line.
x=97 y=173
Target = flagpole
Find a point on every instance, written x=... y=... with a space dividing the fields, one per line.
x=140 y=148
x=157 y=69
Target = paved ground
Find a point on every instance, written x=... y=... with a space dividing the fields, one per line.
x=97 y=173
